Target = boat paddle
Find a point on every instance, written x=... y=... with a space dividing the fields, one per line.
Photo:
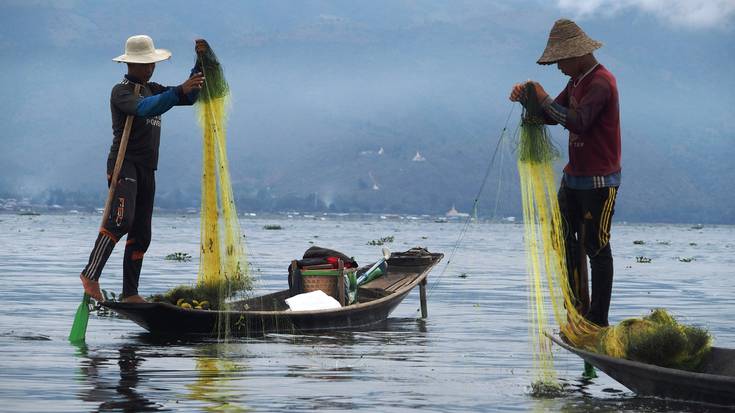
x=79 y=327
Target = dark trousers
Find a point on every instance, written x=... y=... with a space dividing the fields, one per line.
x=592 y=210
x=130 y=213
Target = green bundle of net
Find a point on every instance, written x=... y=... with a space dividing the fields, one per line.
x=656 y=339
x=535 y=144
x=204 y=296
x=215 y=85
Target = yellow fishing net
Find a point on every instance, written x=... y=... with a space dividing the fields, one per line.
x=223 y=260
x=543 y=236
x=223 y=267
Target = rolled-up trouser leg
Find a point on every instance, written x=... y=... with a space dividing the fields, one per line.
x=98 y=258
x=118 y=222
x=132 y=263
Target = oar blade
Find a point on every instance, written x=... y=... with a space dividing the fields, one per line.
x=79 y=328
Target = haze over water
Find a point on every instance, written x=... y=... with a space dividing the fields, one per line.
x=471 y=354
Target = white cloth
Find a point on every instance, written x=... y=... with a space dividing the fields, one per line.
x=315 y=300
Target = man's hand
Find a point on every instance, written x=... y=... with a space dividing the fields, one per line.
x=194 y=82
x=518 y=93
x=540 y=92
x=200 y=46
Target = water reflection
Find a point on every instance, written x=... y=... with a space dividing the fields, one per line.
x=214 y=372
x=121 y=395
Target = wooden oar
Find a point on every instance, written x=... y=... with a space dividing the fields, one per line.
x=79 y=327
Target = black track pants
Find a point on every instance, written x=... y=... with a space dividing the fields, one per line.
x=130 y=213
x=593 y=208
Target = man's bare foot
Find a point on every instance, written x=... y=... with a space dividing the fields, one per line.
x=134 y=299
x=92 y=288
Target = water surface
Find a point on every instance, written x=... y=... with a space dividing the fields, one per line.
x=470 y=354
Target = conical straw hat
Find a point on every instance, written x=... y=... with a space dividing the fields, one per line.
x=567 y=40
x=140 y=49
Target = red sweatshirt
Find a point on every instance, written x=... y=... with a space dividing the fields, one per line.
x=588 y=108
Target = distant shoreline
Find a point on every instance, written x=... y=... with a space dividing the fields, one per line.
x=338 y=216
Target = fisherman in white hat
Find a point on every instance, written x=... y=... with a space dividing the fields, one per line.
x=132 y=206
x=588 y=108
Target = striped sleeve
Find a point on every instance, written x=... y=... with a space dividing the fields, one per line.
x=555 y=111
x=562 y=101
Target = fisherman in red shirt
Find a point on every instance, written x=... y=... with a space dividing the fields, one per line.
x=588 y=108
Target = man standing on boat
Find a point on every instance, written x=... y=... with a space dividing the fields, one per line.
x=132 y=205
x=588 y=108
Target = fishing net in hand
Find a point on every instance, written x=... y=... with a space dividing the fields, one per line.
x=223 y=260
x=543 y=236
x=223 y=267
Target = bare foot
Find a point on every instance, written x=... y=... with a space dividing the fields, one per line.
x=134 y=299
x=92 y=288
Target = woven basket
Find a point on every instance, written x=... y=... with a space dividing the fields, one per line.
x=321 y=280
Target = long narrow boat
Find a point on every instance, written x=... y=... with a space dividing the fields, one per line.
x=269 y=313
x=713 y=383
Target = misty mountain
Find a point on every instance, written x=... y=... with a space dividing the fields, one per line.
x=318 y=87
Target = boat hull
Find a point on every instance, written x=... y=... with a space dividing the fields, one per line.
x=255 y=319
x=715 y=383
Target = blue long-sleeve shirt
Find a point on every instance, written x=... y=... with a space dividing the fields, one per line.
x=152 y=101
x=171 y=96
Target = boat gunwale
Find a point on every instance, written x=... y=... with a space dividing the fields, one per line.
x=584 y=354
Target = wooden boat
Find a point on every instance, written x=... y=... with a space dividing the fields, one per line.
x=713 y=383
x=269 y=313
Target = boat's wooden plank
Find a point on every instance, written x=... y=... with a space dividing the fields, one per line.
x=401 y=283
x=386 y=281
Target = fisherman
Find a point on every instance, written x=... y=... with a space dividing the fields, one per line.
x=588 y=108
x=132 y=206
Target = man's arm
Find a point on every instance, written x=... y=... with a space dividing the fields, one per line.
x=518 y=94
x=561 y=101
x=159 y=103
x=164 y=98
x=581 y=118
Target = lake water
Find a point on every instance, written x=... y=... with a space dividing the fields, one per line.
x=471 y=354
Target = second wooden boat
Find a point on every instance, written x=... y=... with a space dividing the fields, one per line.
x=269 y=313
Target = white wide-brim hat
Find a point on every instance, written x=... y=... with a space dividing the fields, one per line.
x=140 y=49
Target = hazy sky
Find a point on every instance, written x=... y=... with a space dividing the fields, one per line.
x=306 y=74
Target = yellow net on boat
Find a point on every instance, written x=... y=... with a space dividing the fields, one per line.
x=657 y=338
x=223 y=260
